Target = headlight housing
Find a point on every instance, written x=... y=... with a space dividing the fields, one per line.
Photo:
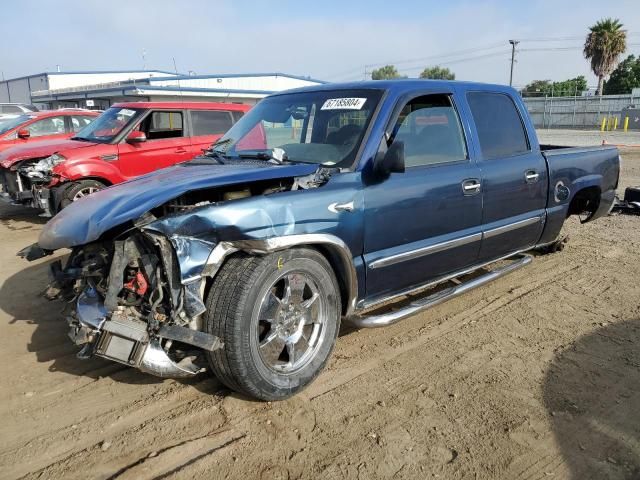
x=46 y=164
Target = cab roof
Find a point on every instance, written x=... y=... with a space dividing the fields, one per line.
x=403 y=85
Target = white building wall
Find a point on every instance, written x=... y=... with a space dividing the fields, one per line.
x=153 y=97
x=70 y=80
x=272 y=83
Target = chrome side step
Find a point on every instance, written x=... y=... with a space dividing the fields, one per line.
x=385 y=319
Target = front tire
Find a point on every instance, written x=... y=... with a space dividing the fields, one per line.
x=79 y=190
x=278 y=316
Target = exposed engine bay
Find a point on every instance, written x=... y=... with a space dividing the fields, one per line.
x=129 y=307
x=128 y=300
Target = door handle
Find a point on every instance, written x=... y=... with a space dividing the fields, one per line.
x=531 y=176
x=471 y=186
x=181 y=150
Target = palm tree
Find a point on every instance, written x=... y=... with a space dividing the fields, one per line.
x=605 y=42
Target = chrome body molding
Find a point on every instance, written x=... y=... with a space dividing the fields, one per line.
x=456 y=242
x=413 y=254
x=388 y=318
x=511 y=226
x=338 y=248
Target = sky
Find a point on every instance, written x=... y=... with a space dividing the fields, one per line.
x=333 y=40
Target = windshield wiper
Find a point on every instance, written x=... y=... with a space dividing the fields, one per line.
x=80 y=139
x=275 y=155
x=220 y=142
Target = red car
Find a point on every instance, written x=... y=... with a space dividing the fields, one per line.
x=127 y=140
x=25 y=128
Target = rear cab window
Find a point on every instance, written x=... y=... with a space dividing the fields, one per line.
x=500 y=128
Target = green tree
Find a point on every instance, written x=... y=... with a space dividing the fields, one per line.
x=624 y=78
x=566 y=88
x=538 y=87
x=388 y=72
x=438 y=73
x=605 y=42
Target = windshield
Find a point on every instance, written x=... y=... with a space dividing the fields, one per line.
x=108 y=125
x=324 y=127
x=9 y=123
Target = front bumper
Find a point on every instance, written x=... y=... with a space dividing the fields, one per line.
x=125 y=339
x=120 y=338
x=18 y=190
x=43 y=199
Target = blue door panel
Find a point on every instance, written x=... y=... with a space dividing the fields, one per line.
x=409 y=211
x=510 y=200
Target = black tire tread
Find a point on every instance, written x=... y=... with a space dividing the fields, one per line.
x=226 y=303
x=220 y=300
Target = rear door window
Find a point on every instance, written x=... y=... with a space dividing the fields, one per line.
x=237 y=116
x=210 y=122
x=500 y=129
x=78 y=122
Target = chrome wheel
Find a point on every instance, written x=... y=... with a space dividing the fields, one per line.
x=84 y=192
x=291 y=323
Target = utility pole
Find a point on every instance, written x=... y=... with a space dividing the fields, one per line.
x=513 y=59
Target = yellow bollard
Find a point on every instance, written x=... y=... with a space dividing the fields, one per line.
x=604 y=124
x=615 y=123
x=626 y=124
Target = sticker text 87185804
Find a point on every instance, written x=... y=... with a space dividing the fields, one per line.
x=343 y=104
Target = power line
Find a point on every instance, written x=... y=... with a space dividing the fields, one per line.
x=560 y=39
x=575 y=47
x=414 y=60
x=357 y=72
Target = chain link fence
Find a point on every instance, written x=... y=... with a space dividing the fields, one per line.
x=577 y=111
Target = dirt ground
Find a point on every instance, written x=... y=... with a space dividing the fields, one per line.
x=535 y=376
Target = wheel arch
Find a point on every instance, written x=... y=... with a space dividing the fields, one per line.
x=331 y=247
x=64 y=186
x=586 y=200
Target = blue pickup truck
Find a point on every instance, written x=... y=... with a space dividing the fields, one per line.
x=363 y=202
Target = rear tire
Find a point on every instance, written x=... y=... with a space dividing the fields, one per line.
x=79 y=190
x=278 y=316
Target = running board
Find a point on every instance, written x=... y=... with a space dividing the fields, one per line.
x=385 y=319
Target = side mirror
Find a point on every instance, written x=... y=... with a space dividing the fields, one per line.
x=392 y=161
x=136 y=137
x=23 y=133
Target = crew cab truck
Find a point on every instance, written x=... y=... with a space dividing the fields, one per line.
x=127 y=140
x=320 y=205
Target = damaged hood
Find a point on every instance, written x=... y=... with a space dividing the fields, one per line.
x=38 y=149
x=84 y=221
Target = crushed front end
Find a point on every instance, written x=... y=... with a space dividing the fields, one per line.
x=127 y=305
